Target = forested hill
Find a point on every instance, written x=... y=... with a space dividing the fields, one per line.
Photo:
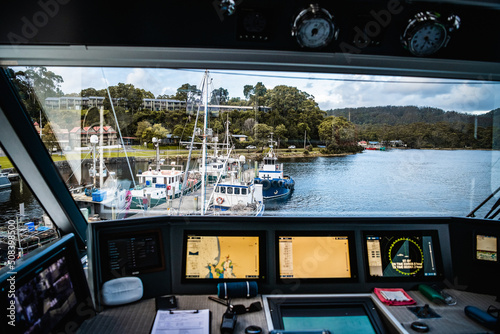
x=403 y=115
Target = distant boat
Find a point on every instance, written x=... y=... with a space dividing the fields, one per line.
x=275 y=184
x=374 y=146
x=4 y=180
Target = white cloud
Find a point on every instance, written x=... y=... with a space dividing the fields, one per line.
x=328 y=89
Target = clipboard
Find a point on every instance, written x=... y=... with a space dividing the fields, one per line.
x=175 y=321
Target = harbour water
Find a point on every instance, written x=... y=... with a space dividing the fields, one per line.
x=372 y=183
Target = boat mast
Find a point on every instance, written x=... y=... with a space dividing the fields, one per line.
x=204 y=146
x=101 y=144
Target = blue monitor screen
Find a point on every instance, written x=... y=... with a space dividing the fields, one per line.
x=345 y=320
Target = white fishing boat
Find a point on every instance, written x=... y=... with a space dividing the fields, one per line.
x=158 y=185
x=237 y=194
x=234 y=192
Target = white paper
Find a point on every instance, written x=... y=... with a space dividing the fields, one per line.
x=394 y=295
x=182 y=321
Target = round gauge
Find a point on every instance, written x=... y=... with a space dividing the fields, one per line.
x=428 y=32
x=428 y=39
x=406 y=256
x=314 y=28
x=315 y=33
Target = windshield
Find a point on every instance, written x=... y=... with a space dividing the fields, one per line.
x=137 y=142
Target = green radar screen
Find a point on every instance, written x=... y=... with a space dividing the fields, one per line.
x=414 y=254
x=405 y=256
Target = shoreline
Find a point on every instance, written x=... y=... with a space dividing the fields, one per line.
x=297 y=153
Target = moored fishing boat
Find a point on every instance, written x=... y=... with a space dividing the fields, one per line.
x=157 y=186
x=237 y=194
x=275 y=184
x=234 y=191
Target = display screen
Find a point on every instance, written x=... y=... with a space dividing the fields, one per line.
x=133 y=253
x=45 y=299
x=486 y=248
x=314 y=257
x=341 y=319
x=336 y=313
x=222 y=257
x=412 y=254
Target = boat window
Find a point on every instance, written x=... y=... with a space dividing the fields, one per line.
x=217 y=189
x=236 y=191
x=229 y=190
x=20 y=208
x=346 y=145
x=243 y=191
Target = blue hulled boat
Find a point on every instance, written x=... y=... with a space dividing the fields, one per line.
x=275 y=184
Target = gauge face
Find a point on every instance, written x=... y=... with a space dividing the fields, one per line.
x=315 y=32
x=428 y=39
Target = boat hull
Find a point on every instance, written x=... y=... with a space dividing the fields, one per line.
x=276 y=188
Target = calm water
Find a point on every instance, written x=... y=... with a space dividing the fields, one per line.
x=394 y=182
x=374 y=183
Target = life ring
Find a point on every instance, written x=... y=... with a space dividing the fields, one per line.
x=169 y=187
x=220 y=200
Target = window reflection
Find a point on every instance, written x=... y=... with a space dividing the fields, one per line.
x=24 y=225
x=366 y=146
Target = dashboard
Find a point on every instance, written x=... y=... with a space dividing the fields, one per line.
x=320 y=256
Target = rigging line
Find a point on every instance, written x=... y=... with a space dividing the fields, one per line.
x=347 y=79
x=119 y=130
x=79 y=167
x=186 y=173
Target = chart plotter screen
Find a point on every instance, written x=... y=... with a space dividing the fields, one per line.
x=314 y=257
x=222 y=257
x=411 y=254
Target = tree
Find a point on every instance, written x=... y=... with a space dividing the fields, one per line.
x=141 y=127
x=34 y=85
x=187 y=92
x=290 y=106
x=91 y=92
x=262 y=134
x=304 y=128
x=156 y=130
x=280 y=132
x=337 y=131
x=255 y=94
x=49 y=137
x=219 y=96
x=248 y=125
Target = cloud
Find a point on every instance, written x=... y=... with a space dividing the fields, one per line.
x=330 y=90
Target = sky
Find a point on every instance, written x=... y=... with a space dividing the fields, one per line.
x=330 y=91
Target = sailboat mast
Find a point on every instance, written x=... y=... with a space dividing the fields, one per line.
x=204 y=146
x=101 y=144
